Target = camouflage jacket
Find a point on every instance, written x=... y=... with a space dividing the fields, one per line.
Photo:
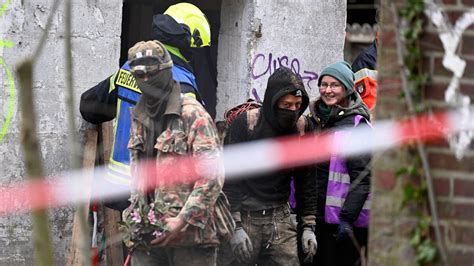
x=192 y=133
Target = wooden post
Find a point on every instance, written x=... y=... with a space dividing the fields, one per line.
x=114 y=250
x=75 y=256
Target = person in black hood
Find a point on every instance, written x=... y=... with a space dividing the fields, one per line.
x=343 y=184
x=259 y=204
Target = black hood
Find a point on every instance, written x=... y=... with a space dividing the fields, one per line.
x=282 y=82
x=168 y=31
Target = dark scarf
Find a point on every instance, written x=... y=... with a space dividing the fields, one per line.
x=160 y=96
x=324 y=111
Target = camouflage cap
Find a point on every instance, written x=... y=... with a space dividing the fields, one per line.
x=150 y=56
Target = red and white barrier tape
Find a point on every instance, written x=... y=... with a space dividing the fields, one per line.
x=239 y=160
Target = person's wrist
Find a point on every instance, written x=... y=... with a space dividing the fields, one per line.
x=237 y=216
x=308 y=219
x=311 y=227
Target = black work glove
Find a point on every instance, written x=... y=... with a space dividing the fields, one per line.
x=344 y=231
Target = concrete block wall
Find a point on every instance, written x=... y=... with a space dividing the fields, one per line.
x=451 y=167
x=257 y=37
x=96 y=48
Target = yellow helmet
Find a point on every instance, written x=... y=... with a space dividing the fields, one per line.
x=191 y=16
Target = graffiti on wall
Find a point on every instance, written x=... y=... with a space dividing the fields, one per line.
x=9 y=97
x=263 y=65
x=450 y=37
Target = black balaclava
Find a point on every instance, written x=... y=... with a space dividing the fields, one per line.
x=287 y=118
x=282 y=82
x=156 y=91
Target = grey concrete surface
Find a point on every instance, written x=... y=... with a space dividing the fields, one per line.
x=256 y=37
x=96 y=44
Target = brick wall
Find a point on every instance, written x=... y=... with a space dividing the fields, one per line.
x=453 y=179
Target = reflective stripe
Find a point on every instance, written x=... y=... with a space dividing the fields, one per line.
x=115 y=128
x=339 y=177
x=365 y=72
x=339 y=202
x=116 y=179
x=176 y=52
x=190 y=94
x=116 y=168
x=112 y=82
x=120 y=164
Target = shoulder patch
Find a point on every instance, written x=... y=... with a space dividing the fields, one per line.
x=127 y=80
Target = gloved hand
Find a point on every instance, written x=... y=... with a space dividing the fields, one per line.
x=308 y=243
x=344 y=231
x=241 y=245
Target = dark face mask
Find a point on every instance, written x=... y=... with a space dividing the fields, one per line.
x=156 y=90
x=287 y=118
x=156 y=87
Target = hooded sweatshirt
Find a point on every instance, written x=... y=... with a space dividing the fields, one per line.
x=272 y=189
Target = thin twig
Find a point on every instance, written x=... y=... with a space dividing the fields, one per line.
x=73 y=143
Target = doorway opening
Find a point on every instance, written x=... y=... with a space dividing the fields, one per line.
x=136 y=26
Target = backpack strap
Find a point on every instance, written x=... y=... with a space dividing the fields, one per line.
x=252 y=118
x=301 y=125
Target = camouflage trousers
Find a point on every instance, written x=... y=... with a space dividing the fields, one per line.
x=180 y=256
x=273 y=237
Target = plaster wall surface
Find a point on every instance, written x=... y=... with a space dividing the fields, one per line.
x=96 y=33
x=256 y=37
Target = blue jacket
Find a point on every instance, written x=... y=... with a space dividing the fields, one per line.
x=113 y=98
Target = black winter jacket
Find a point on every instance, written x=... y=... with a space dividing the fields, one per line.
x=269 y=190
x=357 y=166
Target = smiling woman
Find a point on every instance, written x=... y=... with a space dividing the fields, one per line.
x=343 y=184
x=332 y=92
